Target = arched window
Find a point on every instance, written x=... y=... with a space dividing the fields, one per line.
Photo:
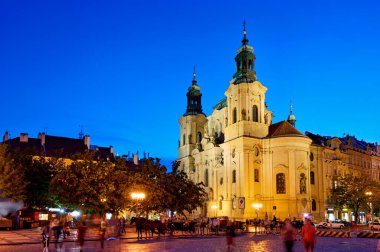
x=312 y=178
x=220 y=204
x=280 y=183
x=302 y=183
x=250 y=65
x=206 y=177
x=234 y=116
x=183 y=139
x=256 y=175
x=313 y=205
x=199 y=138
x=190 y=142
x=255 y=114
x=234 y=176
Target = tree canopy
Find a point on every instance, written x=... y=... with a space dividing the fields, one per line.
x=92 y=185
x=355 y=192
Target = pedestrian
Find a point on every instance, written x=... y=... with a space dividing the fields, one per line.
x=58 y=232
x=81 y=234
x=230 y=234
x=308 y=233
x=46 y=234
x=102 y=232
x=289 y=234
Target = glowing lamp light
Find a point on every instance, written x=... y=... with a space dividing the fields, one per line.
x=257 y=205
x=138 y=196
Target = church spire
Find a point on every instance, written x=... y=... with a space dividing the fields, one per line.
x=194 y=78
x=291 y=117
x=245 y=40
x=245 y=61
x=194 y=98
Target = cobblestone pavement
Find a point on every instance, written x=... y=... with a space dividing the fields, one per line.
x=243 y=242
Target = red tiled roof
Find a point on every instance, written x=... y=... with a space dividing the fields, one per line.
x=283 y=128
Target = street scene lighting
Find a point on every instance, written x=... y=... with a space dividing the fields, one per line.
x=214 y=207
x=138 y=196
x=257 y=206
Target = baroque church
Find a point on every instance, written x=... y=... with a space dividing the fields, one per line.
x=253 y=168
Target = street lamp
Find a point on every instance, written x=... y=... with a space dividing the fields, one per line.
x=214 y=207
x=257 y=206
x=137 y=196
x=369 y=195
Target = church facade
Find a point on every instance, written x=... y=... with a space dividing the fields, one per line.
x=251 y=167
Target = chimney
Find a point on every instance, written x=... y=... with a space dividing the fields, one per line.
x=136 y=159
x=86 y=139
x=41 y=136
x=5 y=137
x=24 y=137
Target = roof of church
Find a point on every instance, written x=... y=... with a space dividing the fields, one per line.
x=221 y=104
x=283 y=128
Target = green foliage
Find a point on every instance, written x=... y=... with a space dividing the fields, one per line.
x=12 y=175
x=353 y=192
x=95 y=185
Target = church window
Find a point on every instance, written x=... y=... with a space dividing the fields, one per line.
x=220 y=204
x=313 y=205
x=255 y=116
x=280 y=183
x=312 y=178
x=256 y=175
x=199 y=139
x=234 y=116
x=183 y=139
x=250 y=65
x=190 y=139
x=221 y=181
x=234 y=176
x=302 y=183
x=311 y=156
x=206 y=177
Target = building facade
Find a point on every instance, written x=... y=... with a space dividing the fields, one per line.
x=251 y=167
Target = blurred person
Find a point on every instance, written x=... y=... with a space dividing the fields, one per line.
x=230 y=234
x=81 y=234
x=102 y=232
x=308 y=233
x=58 y=232
x=46 y=234
x=289 y=234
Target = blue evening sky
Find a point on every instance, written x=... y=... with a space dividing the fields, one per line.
x=121 y=69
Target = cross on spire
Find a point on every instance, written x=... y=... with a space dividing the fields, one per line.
x=245 y=40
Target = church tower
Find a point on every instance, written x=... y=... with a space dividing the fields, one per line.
x=191 y=126
x=247 y=114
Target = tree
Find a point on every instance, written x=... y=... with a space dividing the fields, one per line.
x=183 y=194
x=12 y=183
x=25 y=178
x=89 y=184
x=351 y=191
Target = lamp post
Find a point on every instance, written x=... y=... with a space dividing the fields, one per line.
x=214 y=207
x=138 y=196
x=369 y=195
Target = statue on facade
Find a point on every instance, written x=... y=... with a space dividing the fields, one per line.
x=303 y=183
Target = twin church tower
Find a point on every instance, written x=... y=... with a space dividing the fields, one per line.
x=249 y=166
